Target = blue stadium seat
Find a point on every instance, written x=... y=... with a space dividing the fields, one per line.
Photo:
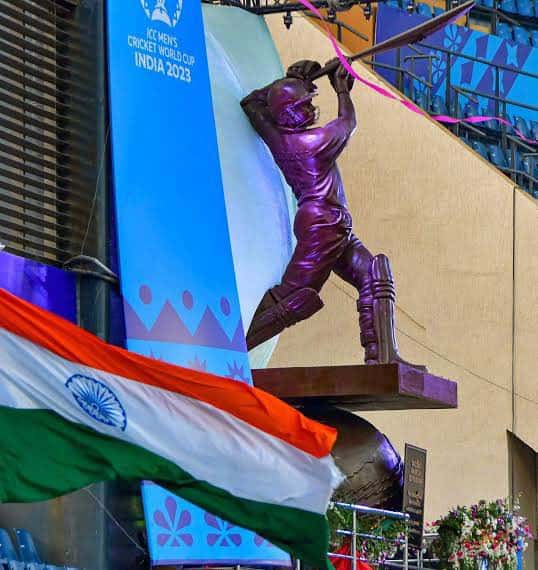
x=439 y=106
x=534 y=130
x=491 y=125
x=455 y=109
x=437 y=11
x=504 y=31
x=529 y=165
x=521 y=125
x=508 y=6
x=516 y=164
x=497 y=156
x=424 y=10
x=27 y=547
x=521 y=35
x=534 y=37
x=508 y=128
x=8 y=555
x=420 y=99
x=393 y=3
x=470 y=109
x=480 y=148
x=525 y=7
x=488 y=3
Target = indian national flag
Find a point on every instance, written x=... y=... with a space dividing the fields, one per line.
x=74 y=411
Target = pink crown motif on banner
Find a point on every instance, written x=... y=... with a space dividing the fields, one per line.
x=170 y=327
x=172 y=523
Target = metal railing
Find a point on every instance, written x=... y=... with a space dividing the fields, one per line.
x=356 y=535
x=340 y=27
x=498 y=68
x=262 y=7
x=515 y=148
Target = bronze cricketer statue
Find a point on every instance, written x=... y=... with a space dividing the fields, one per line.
x=284 y=116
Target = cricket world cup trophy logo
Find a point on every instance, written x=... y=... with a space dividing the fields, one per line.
x=166 y=11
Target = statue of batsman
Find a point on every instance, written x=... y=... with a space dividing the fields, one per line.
x=282 y=113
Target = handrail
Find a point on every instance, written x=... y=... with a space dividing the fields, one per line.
x=471 y=128
x=397 y=68
x=370 y=536
x=341 y=24
x=495 y=98
x=519 y=142
x=503 y=16
x=422 y=56
x=463 y=91
x=372 y=511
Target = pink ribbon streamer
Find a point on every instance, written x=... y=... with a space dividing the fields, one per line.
x=411 y=106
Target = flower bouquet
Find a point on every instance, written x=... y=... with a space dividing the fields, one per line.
x=486 y=535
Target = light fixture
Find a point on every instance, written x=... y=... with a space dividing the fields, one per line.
x=288 y=20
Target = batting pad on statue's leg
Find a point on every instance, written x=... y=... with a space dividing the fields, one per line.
x=273 y=314
x=384 y=298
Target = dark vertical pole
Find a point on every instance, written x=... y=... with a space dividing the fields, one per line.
x=448 y=96
x=430 y=81
x=497 y=90
x=400 y=72
x=93 y=291
x=89 y=540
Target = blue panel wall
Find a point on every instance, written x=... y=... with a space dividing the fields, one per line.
x=464 y=72
x=47 y=287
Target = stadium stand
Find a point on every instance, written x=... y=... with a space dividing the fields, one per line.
x=511 y=147
x=513 y=20
x=27 y=556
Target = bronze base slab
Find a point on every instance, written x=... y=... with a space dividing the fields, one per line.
x=360 y=387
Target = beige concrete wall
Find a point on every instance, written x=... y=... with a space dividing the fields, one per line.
x=445 y=218
x=526 y=319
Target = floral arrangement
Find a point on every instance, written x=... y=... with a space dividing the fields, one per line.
x=488 y=531
x=376 y=551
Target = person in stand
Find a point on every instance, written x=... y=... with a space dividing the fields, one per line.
x=284 y=116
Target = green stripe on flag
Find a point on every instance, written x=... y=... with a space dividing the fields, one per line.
x=43 y=456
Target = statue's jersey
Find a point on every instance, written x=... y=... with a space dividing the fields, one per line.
x=308 y=158
x=308 y=162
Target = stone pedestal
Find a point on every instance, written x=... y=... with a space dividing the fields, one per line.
x=359 y=387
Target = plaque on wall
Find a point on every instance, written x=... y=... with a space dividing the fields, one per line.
x=414 y=490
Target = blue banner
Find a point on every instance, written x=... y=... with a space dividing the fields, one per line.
x=47 y=287
x=182 y=535
x=176 y=268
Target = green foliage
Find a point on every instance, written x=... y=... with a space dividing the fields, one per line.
x=373 y=550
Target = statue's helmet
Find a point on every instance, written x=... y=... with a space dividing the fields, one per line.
x=290 y=103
